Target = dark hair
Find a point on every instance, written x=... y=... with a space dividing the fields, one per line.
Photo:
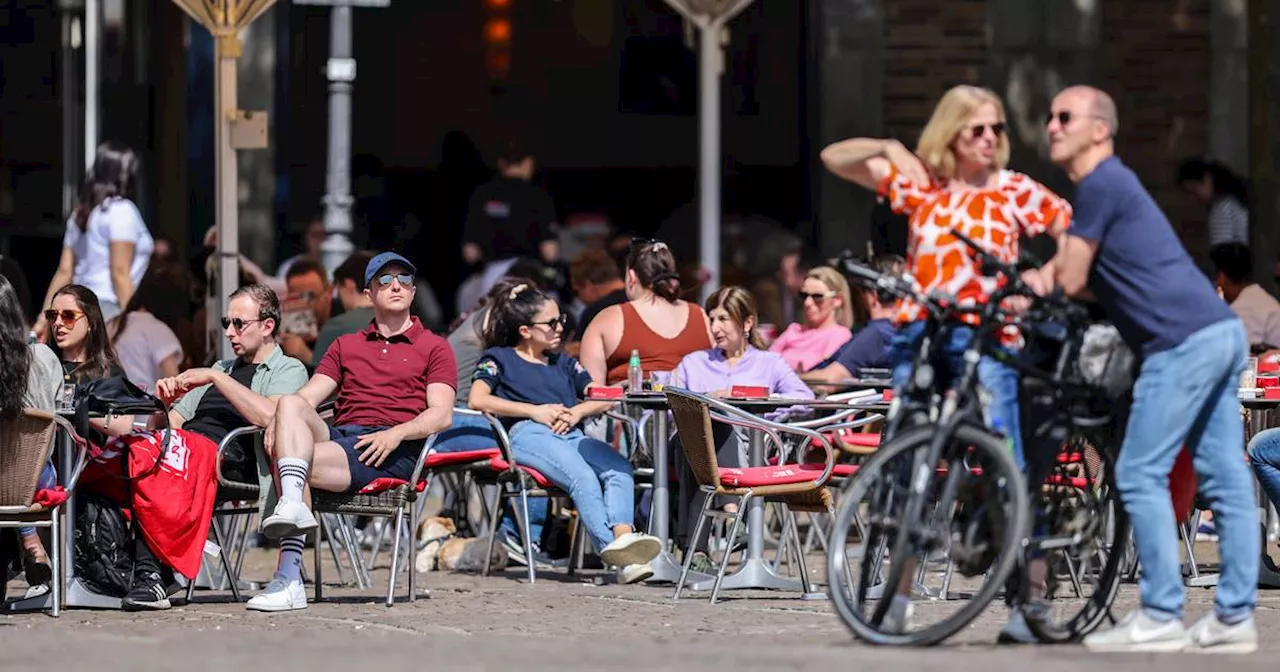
x=594 y=267
x=164 y=291
x=655 y=268
x=303 y=267
x=512 y=310
x=741 y=306
x=268 y=303
x=352 y=269
x=112 y=174
x=100 y=357
x=15 y=355
x=12 y=271
x=1234 y=261
x=1225 y=181
x=514 y=149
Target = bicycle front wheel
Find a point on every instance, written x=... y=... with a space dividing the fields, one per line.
x=972 y=524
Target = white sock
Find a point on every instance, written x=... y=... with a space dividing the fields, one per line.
x=293 y=477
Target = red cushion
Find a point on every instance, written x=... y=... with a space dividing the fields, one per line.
x=753 y=477
x=437 y=460
x=864 y=439
x=383 y=484
x=502 y=465
x=50 y=497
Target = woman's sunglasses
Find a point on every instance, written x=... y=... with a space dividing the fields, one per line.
x=558 y=322
x=979 y=130
x=238 y=323
x=817 y=298
x=66 y=317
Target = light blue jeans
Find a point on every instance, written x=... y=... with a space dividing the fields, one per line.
x=469 y=432
x=598 y=479
x=1264 y=454
x=1187 y=396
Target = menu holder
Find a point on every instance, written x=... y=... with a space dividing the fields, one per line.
x=1267 y=381
x=749 y=392
x=1271 y=393
x=605 y=393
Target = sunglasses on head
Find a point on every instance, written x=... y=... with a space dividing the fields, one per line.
x=238 y=323
x=66 y=317
x=817 y=298
x=554 y=323
x=979 y=130
x=405 y=279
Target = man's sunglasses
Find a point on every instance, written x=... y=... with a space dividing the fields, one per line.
x=558 y=322
x=980 y=130
x=238 y=323
x=817 y=298
x=405 y=279
x=66 y=317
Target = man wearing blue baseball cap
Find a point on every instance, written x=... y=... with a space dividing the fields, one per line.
x=395 y=383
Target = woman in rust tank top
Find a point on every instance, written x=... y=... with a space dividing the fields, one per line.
x=654 y=320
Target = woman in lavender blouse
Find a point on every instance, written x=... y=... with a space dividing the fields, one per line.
x=737 y=357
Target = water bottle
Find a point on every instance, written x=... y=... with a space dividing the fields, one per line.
x=635 y=376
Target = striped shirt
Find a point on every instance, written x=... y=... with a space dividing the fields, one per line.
x=1228 y=222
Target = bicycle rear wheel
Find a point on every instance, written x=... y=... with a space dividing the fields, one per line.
x=978 y=532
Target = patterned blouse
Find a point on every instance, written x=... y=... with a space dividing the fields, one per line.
x=992 y=217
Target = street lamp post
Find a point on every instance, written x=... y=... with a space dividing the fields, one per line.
x=341 y=73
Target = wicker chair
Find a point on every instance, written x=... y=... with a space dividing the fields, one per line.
x=797 y=487
x=25 y=445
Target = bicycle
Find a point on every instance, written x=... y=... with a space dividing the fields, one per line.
x=951 y=464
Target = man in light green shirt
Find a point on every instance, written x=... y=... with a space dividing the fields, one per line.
x=357 y=309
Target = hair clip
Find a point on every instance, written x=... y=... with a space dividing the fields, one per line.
x=515 y=291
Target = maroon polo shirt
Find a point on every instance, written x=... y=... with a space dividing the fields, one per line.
x=382 y=382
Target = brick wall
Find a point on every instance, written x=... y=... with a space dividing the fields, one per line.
x=1155 y=61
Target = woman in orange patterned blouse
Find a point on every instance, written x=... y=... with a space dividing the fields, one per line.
x=956 y=179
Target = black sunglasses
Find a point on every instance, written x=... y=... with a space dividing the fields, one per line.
x=980 y=130
x=238 y=323
x=558 y=322
x=405 y=279
x=817 y=298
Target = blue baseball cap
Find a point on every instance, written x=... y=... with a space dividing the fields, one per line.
x=377 y=263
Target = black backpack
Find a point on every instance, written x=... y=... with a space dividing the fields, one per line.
x=104 y=561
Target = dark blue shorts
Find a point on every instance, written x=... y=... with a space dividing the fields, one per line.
x=399 y=464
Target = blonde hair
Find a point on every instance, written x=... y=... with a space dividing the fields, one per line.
x=835 y=282
x=741 y=307
x=950 y=117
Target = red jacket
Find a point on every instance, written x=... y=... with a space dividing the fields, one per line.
x=172 y=500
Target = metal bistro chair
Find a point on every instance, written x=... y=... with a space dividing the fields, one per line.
x=795 y=486
x=396 y=503
x=25 y=445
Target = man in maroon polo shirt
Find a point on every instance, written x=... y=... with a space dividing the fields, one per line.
x=395 y=383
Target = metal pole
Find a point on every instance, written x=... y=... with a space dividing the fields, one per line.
x=341 y=71
x=92 y=74
x=709 y=60
x=226 y=182
x=72 y=172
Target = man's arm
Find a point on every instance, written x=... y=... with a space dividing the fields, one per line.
x=319 y=388
x=1072 y=263
x=833 y=373
x=438 y=416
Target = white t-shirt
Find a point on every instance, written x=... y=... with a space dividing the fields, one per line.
x=1260 y=313
x=116 y=220
x=145 y=343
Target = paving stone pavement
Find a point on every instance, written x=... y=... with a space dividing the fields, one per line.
x=502 y=623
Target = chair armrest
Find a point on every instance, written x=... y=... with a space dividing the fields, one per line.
x=234 y=434
x=632 y=428
x=855 y=424
x=81 y=459
x=820 y=422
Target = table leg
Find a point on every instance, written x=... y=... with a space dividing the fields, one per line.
x=665 y=568
x=755 y=572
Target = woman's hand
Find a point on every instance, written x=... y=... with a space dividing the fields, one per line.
x=548 y=414
x=567 y=420
x=906 y=162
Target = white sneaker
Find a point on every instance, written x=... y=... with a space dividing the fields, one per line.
x=634 y=573
x=1209 y=635
x=280 y=595
x=290 y=519
x=631 y=548
x=1139 y=632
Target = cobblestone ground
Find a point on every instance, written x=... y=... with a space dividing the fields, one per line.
x=503 y=623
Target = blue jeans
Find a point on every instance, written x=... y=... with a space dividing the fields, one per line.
x=1264 y=455
x=469 y=432
x=597 y=478
x=1187 y=396
x=999 y=380
x=48 y=480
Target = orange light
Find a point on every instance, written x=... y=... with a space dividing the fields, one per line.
x=498 y=4
x=497 y=30
x=497 y=63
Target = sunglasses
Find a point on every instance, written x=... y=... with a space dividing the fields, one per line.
x=558 y=322
x=238 y=323
x=405 y=279
x=66 y=317
x=979 y=130
x=1064 y=117
x=817 y=298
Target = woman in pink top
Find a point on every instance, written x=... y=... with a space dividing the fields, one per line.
x=828 y=317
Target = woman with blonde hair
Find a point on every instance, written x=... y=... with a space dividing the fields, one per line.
x=828 y=317
x=957 y=180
